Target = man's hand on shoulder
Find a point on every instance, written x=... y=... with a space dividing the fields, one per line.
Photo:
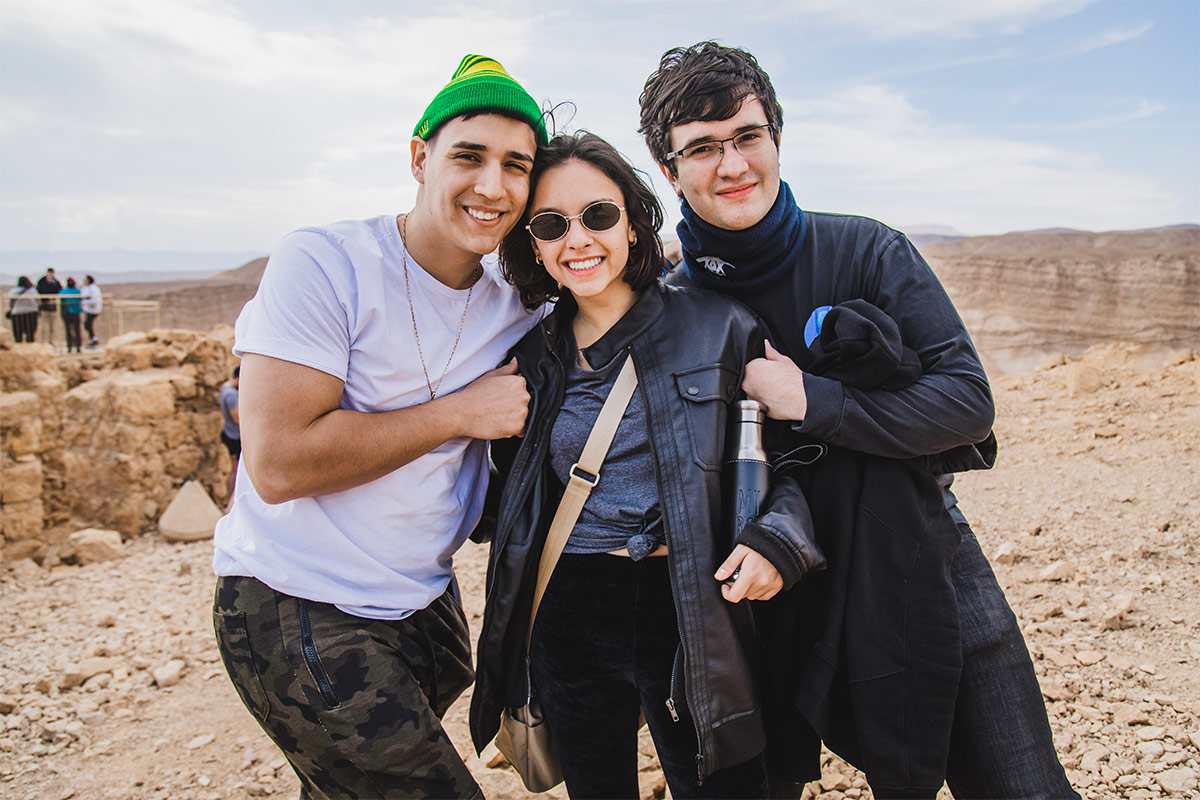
x=495 y=404
x=777 y=383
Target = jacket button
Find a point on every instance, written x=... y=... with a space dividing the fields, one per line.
x=693 y=390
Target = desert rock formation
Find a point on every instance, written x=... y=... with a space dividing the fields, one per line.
x=106 y=440
x=1026 y=295
x=1023 y=295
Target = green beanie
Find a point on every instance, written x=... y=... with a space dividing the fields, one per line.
x=480 y=85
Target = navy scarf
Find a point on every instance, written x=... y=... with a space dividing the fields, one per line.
x=741 y=262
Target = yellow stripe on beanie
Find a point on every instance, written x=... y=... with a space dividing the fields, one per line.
x=479 y=85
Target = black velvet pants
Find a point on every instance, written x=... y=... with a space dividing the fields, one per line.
x=603 y=646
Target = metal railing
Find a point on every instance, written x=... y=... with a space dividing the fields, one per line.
x=116 y=317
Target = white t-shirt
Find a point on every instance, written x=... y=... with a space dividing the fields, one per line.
x=333 y=299
x=92 y=300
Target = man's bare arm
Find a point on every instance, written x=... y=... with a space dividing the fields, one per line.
x=297 y=442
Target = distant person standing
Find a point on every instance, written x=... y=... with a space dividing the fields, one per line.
x=231 y=432
x=23 y=311
x=93 y=301
x=70 y=308
x=48 y=284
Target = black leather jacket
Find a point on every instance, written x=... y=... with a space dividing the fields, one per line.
x=689 y=347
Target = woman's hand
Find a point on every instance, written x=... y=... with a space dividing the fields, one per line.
x=757 y=578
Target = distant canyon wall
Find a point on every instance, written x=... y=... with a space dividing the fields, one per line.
x=1025 y=296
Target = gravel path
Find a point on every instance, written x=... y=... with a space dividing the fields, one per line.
x=111 y=687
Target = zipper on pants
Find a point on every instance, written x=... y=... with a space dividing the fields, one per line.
x=309 y=648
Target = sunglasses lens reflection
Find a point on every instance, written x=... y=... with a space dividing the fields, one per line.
x=550 y=226
x=601 y=216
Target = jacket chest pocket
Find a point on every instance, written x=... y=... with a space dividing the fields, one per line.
x=706 y=393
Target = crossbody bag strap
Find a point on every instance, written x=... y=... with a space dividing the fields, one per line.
x=585 y=474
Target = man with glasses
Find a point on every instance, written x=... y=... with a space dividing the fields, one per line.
x=365 y=403
x=713 y=124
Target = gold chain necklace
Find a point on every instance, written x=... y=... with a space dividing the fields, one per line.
x=412 y=313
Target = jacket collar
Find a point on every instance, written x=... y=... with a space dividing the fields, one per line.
x=640 y=316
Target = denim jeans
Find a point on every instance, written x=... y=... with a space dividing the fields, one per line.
x=1001 y=745
x=603 y=645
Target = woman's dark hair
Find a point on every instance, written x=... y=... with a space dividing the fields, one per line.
x=24 y=282
x=645 y=215
x=88 y=279
x=702 y=83
x=70 y=281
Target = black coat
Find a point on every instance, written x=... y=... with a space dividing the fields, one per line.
x=689 y=348
x=872 y=500
x=868 y=653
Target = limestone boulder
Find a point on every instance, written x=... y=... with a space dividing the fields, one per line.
x=1052 y=361
x=213 y=361
x=1110 y=356
x=22 y=521
x=144 y=395
x=30 y=549
x=182 y=462
x=183 y=383
x=93 y=545
x=1084 y=378
x=207 y=427
x=78 y=468
x=1177 y=357
x=15 y=407
x=21 y=481
x=88 y=400
x=191 y=516
x=128 y=513
x=174 y=432
x=131 y=351
x=26 y=438
x=169 y=674
x=20 y=362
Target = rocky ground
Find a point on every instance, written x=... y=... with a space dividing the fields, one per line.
x=111 y=687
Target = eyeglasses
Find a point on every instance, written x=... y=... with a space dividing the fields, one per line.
x=550 y=226
x=748 y=142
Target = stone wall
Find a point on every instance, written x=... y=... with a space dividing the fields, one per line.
x=107 y=439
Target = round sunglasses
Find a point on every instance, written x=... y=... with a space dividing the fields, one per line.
x=550 y=226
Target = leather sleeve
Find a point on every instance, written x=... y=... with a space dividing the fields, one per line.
x=784 y=533
x=501 y=453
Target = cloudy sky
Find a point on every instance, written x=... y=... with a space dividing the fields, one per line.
x=206 y=125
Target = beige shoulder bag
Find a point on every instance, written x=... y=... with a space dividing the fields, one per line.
x=524 y=738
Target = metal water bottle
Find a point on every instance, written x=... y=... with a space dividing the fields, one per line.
x=746 y=473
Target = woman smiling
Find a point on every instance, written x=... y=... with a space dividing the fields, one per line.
x=643 y=611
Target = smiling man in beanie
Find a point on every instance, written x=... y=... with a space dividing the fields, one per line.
x=367 y=395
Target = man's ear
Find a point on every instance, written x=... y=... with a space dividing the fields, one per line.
x=671 y=179
x=420 y=152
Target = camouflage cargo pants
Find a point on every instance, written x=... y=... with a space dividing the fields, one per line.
x=355 y=704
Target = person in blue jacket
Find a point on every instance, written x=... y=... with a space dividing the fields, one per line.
x=71 y=307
